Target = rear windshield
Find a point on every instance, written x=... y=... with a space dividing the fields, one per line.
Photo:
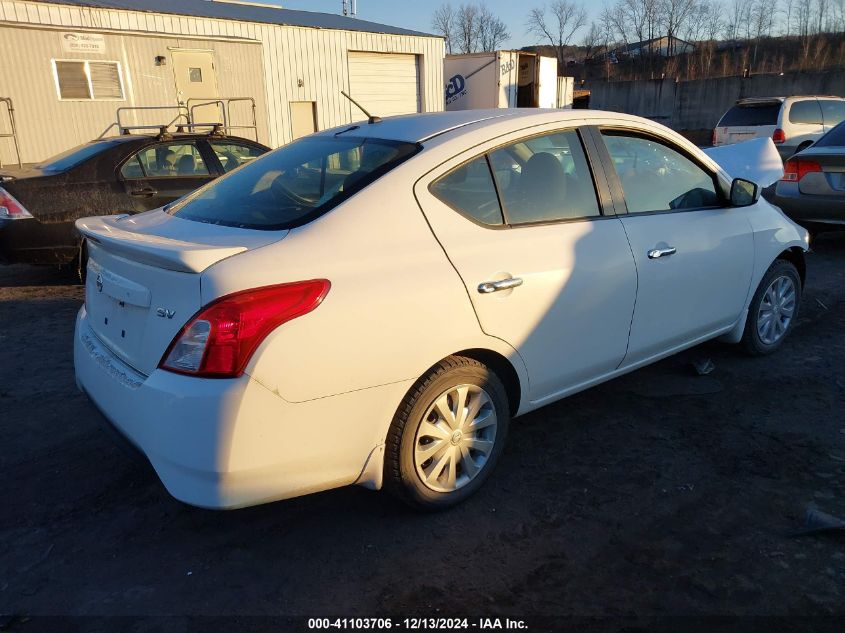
x=834 y=138
x=294 y=184
x=744 y=115
x=73 y=157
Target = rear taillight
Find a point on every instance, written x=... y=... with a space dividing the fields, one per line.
x=713 y=137
x=11 y=209
x=219 y=341
x=796 y=168
x=779 y=136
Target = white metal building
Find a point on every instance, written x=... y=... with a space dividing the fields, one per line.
x=68 y=65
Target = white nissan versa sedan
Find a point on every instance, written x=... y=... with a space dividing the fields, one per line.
x=373 y=304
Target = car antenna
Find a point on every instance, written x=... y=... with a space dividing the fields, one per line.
x=370 y=118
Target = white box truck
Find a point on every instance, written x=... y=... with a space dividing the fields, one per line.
x=501 y=79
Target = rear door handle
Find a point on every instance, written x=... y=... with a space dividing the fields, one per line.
x=145 y=192
x=494 y=286
x=657 y=253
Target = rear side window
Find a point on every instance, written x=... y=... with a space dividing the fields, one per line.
x=751 y=115
x=833 y=111
x=545 y=179
x=807 y=111
x=295 y=183
x=834 y=138
x=172 y=160
x=470 y=191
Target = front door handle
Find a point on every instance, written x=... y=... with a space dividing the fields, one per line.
x=145 y=192
x=494 y=286
x=657 y=253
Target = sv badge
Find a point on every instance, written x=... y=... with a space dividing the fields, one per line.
x=165 y=313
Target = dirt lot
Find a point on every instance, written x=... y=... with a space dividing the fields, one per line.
x=661 y=493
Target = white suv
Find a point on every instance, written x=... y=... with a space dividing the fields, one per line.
x=793 y=123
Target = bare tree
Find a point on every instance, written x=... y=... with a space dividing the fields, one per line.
x=492 y=32
x=467 y=32
x=558 y=24
x=594 y=41
x=673 y=16
x=443 y=22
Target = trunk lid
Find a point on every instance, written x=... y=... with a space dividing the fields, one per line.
x=831 y=180
x=731 y=135
x=144 y=275
x=756 y=160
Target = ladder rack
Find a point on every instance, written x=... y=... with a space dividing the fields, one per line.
x=224 y=105
x=13 y=133
x=180 y=118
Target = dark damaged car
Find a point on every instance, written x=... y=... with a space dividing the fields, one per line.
x=124 y=174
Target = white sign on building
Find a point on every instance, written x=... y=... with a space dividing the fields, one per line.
x=83 y=42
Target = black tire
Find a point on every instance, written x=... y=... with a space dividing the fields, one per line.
x=400 y=471
x=751 y=340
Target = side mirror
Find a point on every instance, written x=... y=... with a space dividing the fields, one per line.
x=744 y=193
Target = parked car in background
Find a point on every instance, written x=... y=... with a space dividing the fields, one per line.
x=129 y=173
x=812 y=190
x=793 y=123
x=373 y=303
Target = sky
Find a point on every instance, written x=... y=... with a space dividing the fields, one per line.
x=416 y=14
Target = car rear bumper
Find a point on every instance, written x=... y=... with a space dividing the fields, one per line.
x=220 y=443
x=804 y=208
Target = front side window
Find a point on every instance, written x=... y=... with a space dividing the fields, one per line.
x=656 y=177
x=287 y=187
x=545 y=179
x=167 y=160
x=470 y=190
x=232 y=155
x=807 y=111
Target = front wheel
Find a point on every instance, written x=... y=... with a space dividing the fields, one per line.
x=773 y=309
x=447 y=435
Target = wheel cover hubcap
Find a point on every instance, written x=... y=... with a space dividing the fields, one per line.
x=776 y=310
x=455 y=438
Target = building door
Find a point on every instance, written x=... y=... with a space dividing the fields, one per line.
x=196 y=79
x=384 y=83
x=303 y=118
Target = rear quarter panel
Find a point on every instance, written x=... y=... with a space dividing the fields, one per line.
x=395 y=308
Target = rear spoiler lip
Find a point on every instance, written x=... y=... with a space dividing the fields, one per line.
x=162 y=252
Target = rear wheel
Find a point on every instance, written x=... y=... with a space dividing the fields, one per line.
x=447 y=435
x=773 y=309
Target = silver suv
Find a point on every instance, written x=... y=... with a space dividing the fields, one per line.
x=793 y=123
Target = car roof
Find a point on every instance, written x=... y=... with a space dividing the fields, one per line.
x=418 y=128
x=765 y=100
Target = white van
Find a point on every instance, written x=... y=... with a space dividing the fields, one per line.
x=793 y=123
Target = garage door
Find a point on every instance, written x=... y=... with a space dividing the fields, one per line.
x=384 y=83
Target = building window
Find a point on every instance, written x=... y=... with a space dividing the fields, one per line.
x=195 y=75
x=88 y=80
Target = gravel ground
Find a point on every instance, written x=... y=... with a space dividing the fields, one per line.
x=662 y=493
